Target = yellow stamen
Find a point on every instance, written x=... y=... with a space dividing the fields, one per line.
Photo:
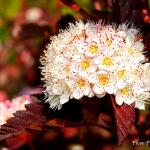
x=93 y=49
x=81 y=83
x=108 y=42
x=103 y=79
x=107 y=61
x=130 y=50
x=85 y=64
x=124 y=91
x=49 y=70
x=121 y=74
x=66 y=87
x=66 y=70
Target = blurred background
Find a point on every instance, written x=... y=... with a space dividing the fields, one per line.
x=25 y=28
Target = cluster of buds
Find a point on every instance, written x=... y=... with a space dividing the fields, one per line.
x=93 y=59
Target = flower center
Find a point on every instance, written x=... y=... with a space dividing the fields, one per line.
x=121 y=74
x=108 y=41
x=93 y=49
x=107 y=61
x=85 y=64
x=66 y=70
x=66 y=87
x=81 y=83
x=103 y=79
x=130 y=50
x=124 y=91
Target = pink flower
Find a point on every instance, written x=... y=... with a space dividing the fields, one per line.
x=8 y=108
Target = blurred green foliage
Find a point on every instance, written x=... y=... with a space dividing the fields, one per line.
x=9 y=8
x=4 y=32
x=85 y=4
x=8 y=11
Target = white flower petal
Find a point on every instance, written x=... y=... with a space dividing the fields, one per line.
x=140 y=105
x=101 y=95
x=87 y=90
x=111 y=90
x=122 y=33
x=92 y=78
x=129 y=100
x=77 y=57
x=64 y=98
x=121 y=84
x=91 y=94
x=77 y=94
x=98 y=89
x=119 y=99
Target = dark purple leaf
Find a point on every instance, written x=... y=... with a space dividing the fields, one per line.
x=32 y=117
x=96 y=112
x=16 y=142
x=127 y=11
x=124 y=117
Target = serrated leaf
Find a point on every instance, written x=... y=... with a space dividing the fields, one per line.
x=32 y=116
x=96 y=112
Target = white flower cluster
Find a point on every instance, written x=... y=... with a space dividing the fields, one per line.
x=93 y=59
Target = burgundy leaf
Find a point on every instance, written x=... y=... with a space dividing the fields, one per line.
x=38 y=115
x=124 y=117
x=16 y=142
x=90 y=108
x=33 y=117
x=127 y=11
x=96 y=112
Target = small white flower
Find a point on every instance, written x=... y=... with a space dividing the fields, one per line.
x=105 y=63
x=142 y=97
x=122 y=33
x=122 y=78
x=123 y=74
x=105 y=83
x=125 y=95
x=83 y=67
x=92 y=50
x=79 y=87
